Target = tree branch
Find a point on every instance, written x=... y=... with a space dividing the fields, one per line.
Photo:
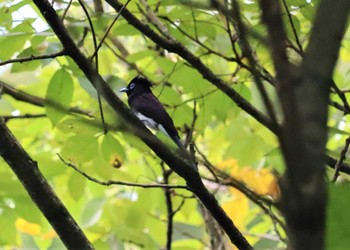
x=169 y=206
x=32 y=58
x=174 y=46
x=40 y=191
x=34 y=100
x=300 y=47
x=25 y=116
x=247 y=51
x=175 y=162
x=345 y=168
x=304 y=134
x=341 y=159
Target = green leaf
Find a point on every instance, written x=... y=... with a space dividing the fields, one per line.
x=336 y=131
x=182 y=230
x=56 y=244
x=80 y=148
x=125 y=29
x=14 y=40
x=135 y=57
x=191 y=81
x=76 y=185
x=87 y=86
x=338 y=229
x=28 y=242
x=167 y=96
x=112 y=150
x=218 y=102
x=6 y=17
x=309 y=11
x=59 y=95
x=92 y=212
x=26 y=209
x=80 y=126
x=290 y=29
x=8 y=236
x=26 y=66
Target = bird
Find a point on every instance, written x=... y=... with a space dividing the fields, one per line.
x=149 y=109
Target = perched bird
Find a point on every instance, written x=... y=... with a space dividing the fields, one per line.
x=148 y=108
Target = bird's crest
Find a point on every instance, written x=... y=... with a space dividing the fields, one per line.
x=143 y=80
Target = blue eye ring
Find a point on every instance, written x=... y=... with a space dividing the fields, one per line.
x=132 y=85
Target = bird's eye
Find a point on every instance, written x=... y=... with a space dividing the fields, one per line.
x=132 y=86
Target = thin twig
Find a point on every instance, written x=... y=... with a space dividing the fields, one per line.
x=300 y=47
x=339 y=107
x=123 y=183
x=169 y=206
x=25 y=116
x=109 y=29
x=195 y=39
x=104 y=125
x=32 y=58
x=66 y=10
x=236 y=15
x=341 y=96
x=341 y=159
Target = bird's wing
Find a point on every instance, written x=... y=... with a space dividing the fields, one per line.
x=148 y=105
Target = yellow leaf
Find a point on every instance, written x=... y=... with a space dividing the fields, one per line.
x=261 y=181
x=49 y=235
x=237 y=209
x=228 y=164
x=27 y=227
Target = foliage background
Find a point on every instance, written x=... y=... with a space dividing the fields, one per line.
x=226 y=138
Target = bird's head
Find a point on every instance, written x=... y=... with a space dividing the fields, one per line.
x=138 y=85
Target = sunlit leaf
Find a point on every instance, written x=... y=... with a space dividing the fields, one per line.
x=80 y=126
x=140 y=55
x=59 y=95
x=76 y=185
x=205 y=52
x=80 y=148
x=237 y=209
x=8 y=218
x=112 y=150
x=92 y=212
x=14 y=40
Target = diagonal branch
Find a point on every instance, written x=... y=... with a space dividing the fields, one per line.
x=289 y=15
x=341 y=159
x=27 y=171
x=236 y=15
x=174 y=46
x=175 y=162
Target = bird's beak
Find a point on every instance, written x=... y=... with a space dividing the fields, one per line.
x=124 y=89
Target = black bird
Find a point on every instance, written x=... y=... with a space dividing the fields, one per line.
x=148 y=108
